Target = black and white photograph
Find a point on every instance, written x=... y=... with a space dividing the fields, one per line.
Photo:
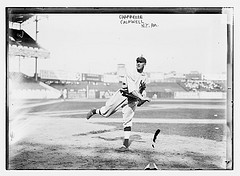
x=120 y=89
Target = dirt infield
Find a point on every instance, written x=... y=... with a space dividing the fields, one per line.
x=84 y=145
x=39 y=142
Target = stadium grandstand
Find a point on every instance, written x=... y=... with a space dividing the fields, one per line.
x=22 y=81
x=203 y=86
x=52 y=84
x=85 y=89
x=165 y=87
x=20 y=44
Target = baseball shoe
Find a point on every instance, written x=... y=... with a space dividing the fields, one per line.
x=123 y=149
x=90 y=113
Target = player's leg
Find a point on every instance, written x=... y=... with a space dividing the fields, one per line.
x=111 y=106
x=128 y=113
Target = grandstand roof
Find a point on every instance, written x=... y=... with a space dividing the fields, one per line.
x=19 y=18
x=21 y=38
x=22 y=44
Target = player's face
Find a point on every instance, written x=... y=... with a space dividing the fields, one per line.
x=140 y=65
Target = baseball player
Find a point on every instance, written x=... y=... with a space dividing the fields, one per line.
x=128 y=97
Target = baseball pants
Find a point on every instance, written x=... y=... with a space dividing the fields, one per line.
x=116 y=102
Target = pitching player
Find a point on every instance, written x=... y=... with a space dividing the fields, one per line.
x=128 y=98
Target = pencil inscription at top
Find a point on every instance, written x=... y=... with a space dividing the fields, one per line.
x=136 y=19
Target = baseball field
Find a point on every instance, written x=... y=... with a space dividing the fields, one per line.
x=55 y=135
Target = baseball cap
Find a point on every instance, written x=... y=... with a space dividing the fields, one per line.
x=141 y=59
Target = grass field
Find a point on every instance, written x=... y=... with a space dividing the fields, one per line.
x=54 y=134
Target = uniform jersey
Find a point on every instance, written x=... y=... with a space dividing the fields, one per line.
x=132 y=82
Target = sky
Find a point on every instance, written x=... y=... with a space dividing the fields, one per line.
x=96 y=43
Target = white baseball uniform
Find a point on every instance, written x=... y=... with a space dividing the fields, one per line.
x=131 y=83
